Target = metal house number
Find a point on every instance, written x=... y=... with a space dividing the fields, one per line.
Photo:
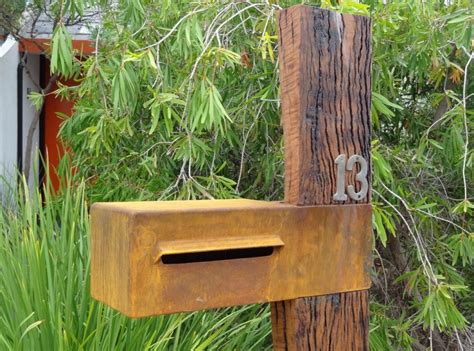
x=361 y=177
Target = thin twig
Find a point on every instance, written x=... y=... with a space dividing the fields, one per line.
x=466 y=129
x=422 y=254
x=172 y=30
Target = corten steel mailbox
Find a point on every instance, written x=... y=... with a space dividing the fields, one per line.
x=151 y=258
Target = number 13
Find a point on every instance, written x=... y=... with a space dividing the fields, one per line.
x=361 y=177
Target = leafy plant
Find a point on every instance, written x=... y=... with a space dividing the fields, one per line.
x=181 y=102
x=45 y=301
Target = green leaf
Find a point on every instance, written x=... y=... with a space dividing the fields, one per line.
x=37 y=99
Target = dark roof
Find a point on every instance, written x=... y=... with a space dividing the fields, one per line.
x=39 y=25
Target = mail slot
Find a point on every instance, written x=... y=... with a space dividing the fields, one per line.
x=151 y=258
x=226 y=248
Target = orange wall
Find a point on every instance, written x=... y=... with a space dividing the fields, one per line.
x=53 y=147
x=39 y=46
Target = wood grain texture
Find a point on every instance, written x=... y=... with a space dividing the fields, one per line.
x=325 y=67
x=330 y=322
x=325 y=82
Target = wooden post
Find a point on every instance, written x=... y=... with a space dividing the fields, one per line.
x=325 y=70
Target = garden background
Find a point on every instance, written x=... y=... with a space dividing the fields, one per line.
x=181 y=101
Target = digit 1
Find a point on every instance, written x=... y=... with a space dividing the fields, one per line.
x=340 y=194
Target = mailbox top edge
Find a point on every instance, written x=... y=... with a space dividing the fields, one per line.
x=173 y=206
x=185 y=205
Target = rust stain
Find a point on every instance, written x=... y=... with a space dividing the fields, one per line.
x=236 y=252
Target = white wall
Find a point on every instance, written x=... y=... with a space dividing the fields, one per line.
x=31 y=83
x=9 y=59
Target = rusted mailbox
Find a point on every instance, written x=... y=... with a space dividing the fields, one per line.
x=151 y=258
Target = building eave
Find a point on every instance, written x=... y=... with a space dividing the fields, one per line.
x=83 y=47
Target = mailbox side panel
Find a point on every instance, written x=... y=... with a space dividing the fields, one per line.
x=329 y=250
x=110 y=267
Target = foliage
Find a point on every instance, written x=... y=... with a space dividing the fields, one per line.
x=10 y=12
x=45 y=302
x=181 y=101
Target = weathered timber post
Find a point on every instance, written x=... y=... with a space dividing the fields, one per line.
x=325 y=79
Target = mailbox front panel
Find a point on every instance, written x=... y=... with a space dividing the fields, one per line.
x=152 y=258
